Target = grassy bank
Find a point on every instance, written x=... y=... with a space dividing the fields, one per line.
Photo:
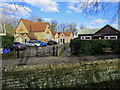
x=82 y=75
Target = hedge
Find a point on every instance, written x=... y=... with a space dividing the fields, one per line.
x=7 y=42
x=93 y=47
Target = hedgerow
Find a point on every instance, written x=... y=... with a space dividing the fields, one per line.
x=93 y=47
x=7 y=42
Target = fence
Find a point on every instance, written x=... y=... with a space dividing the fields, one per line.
x=54 y=50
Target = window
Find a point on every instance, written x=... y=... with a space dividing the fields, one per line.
x=86 y=37
x=47 y=35
x=82 y=37
x=67 y=40
x=110 y=37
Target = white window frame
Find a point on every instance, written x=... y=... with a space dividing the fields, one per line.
x=109 y=37
x=84 y=37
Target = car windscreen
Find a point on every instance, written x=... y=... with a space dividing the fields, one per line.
x=31 y=42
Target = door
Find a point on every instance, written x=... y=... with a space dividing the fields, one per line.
x=60 y=40
x=63 y=41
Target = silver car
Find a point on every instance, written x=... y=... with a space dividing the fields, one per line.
x=33 y=43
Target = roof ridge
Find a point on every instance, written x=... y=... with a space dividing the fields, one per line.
x=27 y=20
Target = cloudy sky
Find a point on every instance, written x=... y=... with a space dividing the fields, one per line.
x=65 y=11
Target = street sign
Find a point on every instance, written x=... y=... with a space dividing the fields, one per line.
x=6 y=50
x=55 y=48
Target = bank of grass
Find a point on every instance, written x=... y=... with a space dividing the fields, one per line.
x=93 y=74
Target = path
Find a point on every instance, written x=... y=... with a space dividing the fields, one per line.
x=64 y=58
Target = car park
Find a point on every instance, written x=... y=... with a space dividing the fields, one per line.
x=52 y=43
x=42 y=43
x=33 y=43
x=18 y=46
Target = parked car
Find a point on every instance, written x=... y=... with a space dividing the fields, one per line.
x=33 y=43
x=42 y=43
x=52 y=43
x=19 y=46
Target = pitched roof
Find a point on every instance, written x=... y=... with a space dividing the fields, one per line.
x=30 y=35
x=107 y=25
x=87 y=31
x=93 y=31
x=67 y=33
x=54 y=33
x=35 y=27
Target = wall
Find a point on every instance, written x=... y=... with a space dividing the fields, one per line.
x=40 y=35
x=61 y=75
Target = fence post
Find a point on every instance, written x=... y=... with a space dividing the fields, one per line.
x=53 y=50
x=17 y=52
x=56 y=50
x=36 y=51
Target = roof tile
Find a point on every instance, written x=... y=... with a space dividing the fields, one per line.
x=35 y=27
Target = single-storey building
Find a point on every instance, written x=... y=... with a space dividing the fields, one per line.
x=63 y=37
x=106 y=32
x=28 y=30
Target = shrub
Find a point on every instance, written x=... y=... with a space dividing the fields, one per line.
x=7 y=42
x=93 y=47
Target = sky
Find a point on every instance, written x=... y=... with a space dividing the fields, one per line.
x=64 y=11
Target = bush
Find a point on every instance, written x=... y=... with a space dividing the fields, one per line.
x=93 y=47
x=7 y=42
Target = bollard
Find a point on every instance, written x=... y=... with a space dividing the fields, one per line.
x=17 y=52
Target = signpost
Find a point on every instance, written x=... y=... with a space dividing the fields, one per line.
x=6 y=50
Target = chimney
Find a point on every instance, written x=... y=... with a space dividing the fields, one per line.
x=39 y=20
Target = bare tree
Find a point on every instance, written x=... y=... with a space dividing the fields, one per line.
x=71 y=27
x=54 y=26
x=7 y=22
x=63 y=27
x=82 y=27
x=96 y=7
x=33 y=18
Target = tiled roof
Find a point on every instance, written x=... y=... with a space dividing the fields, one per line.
x=35 y=27
x=30 y=35
x=67 y=33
